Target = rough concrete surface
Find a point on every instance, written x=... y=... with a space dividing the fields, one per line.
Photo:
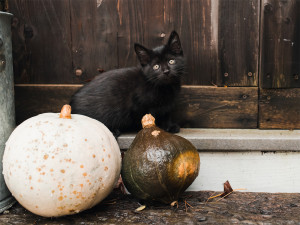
x=237 y=208
x=233 y=139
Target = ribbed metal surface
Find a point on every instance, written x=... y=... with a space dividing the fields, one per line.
x=7 y=106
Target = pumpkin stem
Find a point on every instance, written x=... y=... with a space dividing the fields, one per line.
x=148 y=121
x=65 y=112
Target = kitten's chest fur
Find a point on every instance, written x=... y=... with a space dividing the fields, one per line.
x=155 y=99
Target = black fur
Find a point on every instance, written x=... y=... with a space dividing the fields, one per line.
x=120 y=98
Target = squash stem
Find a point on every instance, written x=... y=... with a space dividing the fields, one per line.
x=65 y=112
x=148 y=121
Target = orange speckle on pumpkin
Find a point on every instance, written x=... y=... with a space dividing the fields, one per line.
x=74 y=192
x=36 y=206
x=100 y=179
x=51 y=170
x=52 y=191
x=29 y=177
x=81 y=166
x=39 y=169
x=60 y=198
x=94 y=156
x=84 y=174
x=102 y=159
x=43 y=173
x=52 y=157
x=104 y=149
x=31 y=188
x=106 y=168
x=65 y=145
x=62 y=171
x=155 y=133
x=46 y=156
x=85 y=139
x=81 y=185
x=108 y=155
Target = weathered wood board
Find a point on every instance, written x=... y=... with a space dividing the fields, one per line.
x=280 y=44
x=41 y=39
x=238 y=42
x=217 y=107
x=197 y=106
x=52 y=39
x=94 y=37
x=31 y=100
x=279 y=108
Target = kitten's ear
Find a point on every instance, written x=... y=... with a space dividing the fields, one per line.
x=174 y=43
x=142 y=53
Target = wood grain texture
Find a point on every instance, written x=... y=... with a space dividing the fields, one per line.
x=94 y=37
x=31 y=100
x=197 y=106
x=52 y=39
x=138 y=22
x=41 y=41
x=217 y=107
x=279 y=108
x=196 y=23
x=238 y=42
x=280 y=44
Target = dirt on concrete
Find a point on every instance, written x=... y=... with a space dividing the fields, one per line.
x=193 y=208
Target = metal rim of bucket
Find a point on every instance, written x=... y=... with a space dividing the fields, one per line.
x=5 y=13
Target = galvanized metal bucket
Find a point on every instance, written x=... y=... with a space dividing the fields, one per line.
x=7 y=105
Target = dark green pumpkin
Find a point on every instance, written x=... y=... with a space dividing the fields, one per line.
x=159 y=166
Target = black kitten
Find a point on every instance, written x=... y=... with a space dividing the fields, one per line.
x=120 y=98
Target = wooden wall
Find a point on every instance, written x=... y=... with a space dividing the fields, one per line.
x=240 y=54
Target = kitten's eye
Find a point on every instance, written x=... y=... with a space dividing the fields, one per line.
x=156 y=67
x=172 y=61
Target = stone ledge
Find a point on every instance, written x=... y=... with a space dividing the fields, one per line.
x=234 y=139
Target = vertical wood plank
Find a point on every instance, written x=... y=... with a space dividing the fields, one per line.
x=238 y=42
x=141 y=22
x=280 y=56
x=94 y=36
x=196 y=23
x=41 y=41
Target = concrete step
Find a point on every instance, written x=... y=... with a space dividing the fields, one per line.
x=257 y=160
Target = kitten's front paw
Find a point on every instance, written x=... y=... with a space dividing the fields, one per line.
x=173 y=128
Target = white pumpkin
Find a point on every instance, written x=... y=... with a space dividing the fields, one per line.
x=58 y=166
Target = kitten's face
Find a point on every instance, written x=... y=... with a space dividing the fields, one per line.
x=164 y=64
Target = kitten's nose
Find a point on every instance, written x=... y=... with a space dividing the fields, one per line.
x=166 y=71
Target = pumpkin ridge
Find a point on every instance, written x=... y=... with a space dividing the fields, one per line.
x=136 y=184
x=160 y=180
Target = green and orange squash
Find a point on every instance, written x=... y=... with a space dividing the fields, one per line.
x=159 y=166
